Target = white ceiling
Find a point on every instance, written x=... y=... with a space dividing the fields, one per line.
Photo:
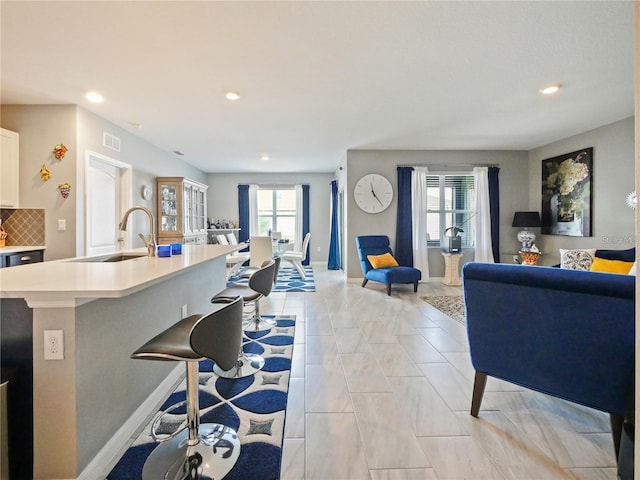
x=319 y=78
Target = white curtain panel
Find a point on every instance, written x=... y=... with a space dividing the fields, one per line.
x=253 y=210
x=482 y=218
x=299 y=235
x=419 y=220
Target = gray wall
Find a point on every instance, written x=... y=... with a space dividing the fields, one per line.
x=613 y=223
x=43 y=126
x=514 y=187
x=223 y=201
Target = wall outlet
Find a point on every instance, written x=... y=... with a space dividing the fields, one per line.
x=62 y=224
x=318 y=249
x=183 y=311
x=53 y=345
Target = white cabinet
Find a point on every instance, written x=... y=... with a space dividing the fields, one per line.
x=182 y=211
x=9 y=156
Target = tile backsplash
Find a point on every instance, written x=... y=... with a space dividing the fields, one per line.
x=24 y=226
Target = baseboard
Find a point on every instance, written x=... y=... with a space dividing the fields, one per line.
x=109 y=455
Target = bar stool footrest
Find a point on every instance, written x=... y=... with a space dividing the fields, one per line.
x=160 y=437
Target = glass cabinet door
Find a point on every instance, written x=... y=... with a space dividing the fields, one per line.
x=169 y=207
x=200 y=215
x=188 y=207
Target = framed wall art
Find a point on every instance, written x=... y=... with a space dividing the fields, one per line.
x=567 y=194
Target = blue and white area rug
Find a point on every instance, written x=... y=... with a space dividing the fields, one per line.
x=253 y=406
x=289 y=280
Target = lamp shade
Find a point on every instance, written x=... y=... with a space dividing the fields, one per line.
x=526 y=219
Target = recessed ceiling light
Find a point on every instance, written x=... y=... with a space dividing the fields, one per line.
x=264 y=157
x=94 y=97
x=232 y=95
x=134 y=125
x=550 y=90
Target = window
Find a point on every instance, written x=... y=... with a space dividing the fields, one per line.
x=450 y=202
x=277 y=212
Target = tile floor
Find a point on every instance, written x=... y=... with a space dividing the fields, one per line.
x=381 y=390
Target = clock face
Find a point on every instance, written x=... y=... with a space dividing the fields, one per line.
x=373 y=193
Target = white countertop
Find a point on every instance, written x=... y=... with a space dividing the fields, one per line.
x=73 y=278
x=20 y=248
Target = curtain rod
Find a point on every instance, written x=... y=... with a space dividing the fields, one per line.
x=451 y=165
x=274 y=185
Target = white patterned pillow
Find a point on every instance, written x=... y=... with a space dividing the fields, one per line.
x=577 y=259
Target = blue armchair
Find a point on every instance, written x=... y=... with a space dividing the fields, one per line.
x=378 y=245
x=566 y=333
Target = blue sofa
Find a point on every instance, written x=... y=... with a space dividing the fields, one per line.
x=378 y=245
x=566 y=333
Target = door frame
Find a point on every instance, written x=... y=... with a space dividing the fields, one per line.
x=126 y=196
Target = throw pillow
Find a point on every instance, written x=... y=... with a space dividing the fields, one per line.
x=382 y=261
x=610 y=266
x=633 y=269
x=628 y=255
x=577 y=259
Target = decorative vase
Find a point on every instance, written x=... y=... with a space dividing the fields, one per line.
x=452 y=244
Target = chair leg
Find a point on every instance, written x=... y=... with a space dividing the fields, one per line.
x=388 y=289
x=479 y=383
x=617 y=422
x=415 y=287
x=364 y=282
x=300 y=269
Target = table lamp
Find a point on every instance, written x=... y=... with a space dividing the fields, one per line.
x=526 y=220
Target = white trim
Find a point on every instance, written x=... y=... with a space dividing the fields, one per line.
x=109 y=455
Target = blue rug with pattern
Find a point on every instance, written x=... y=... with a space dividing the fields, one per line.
x=254 y=406
x=289 y=280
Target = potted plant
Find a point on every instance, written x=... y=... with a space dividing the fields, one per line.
x=454 y=243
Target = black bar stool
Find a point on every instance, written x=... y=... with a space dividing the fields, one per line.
x=196 y=451
x=260 y=285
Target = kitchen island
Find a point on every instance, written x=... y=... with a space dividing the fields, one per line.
x=87 y=405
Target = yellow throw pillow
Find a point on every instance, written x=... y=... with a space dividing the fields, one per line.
x=610 y=266
x=382 y=261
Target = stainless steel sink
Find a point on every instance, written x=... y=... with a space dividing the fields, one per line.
x=112 y=257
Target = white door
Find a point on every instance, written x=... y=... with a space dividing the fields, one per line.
x=106 y=182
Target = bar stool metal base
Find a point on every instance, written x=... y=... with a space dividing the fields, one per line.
x=211 y=458
x=258 y=324
x=247 y=364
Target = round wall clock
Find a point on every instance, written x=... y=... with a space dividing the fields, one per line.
x=373 y=193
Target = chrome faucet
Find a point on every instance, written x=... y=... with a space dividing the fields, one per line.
x=151 y=243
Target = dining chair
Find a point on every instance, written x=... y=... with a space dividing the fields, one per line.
x=260 y=250
x=235 y=259
x=297 y=257
x=231 y=237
